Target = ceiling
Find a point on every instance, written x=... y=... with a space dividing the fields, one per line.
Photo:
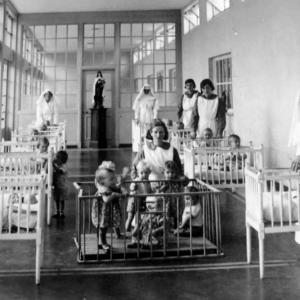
x=46 y=6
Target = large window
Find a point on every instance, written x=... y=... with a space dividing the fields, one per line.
x=221 y=72
x=10 y=29
x=50 y=53
x=4 y=93
x=148 y=53
x=191 y=17
x=99 y=44
x=214 y=7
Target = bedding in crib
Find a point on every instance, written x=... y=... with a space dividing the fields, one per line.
x=28 y=210
x=267 y=206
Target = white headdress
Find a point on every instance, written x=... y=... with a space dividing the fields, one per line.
x=41 y=97
x=141 y=94
x=294 y=137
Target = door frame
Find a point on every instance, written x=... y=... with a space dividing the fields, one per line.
x=115 y=101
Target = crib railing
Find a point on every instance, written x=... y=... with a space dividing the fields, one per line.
x=22 y=203
x=13 y=146
x=272 y=197
x=272 y=205
x=181 y=142
x=203 y=243
x=16 y=164
x=221 y=167
x=56 y=135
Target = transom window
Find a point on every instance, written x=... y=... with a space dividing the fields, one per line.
x=191 y=17
x=214 y=7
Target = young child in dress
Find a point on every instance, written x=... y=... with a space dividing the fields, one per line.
x=110 y=193
x=60 y=182
x=192 y=214
x=143 y=171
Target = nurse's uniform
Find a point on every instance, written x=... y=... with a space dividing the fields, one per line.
x=207 y=111
x=187 y=109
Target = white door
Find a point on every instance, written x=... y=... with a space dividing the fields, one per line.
x=87 y=104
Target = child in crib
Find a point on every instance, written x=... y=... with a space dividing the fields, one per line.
x=110 y=192
x=60 y=182
x=143 y=171
x=192 y=214
x=233 y=159
x=43 y=145
x=206 y=139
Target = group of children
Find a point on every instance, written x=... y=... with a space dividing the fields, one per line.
x=152 y=213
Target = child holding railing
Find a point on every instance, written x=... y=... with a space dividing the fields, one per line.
x=108 y=204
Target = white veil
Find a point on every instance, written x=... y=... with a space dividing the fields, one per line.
x=41 y=97
x=294 y=137
x=141 y=95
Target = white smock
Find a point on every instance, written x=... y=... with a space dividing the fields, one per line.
x=188 y=106
x=207 y=111
x=156 y=159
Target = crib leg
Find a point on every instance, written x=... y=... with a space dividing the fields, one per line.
x=248 y=243
x=49 y=207
x=38 y=257
x=261 y=255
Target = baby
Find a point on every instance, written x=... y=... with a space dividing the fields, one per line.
x=154 y=224
x=43 y=145
x=137 y=187
x=60 y=182
x=205 y=140
x=110 y=193
x=192 y=214
x=235 y=158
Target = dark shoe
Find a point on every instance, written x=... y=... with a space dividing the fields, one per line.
x=56 y=216
x=62 y=215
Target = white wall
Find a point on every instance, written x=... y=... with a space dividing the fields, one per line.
x=263 y=38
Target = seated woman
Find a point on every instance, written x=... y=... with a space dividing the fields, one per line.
x=157 y=151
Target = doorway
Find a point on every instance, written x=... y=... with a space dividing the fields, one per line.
x=88 y=77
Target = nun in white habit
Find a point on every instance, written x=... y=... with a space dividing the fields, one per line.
x=294 y=138
x=46 y=110
x=145 y=108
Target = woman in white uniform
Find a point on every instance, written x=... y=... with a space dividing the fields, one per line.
x=294 y=138
x=46 y=110
x=145 y=108
x=205 y=109
x=187 y=103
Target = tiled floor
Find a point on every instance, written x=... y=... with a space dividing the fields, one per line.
x=194 y=279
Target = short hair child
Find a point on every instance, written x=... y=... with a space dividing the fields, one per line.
x=143 y=172
x=60 y=182
x=109 y=191
x=192 y=213
x=234 y=141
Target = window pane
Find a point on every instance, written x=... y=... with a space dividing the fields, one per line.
x=125 y=29
x=62 y=31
